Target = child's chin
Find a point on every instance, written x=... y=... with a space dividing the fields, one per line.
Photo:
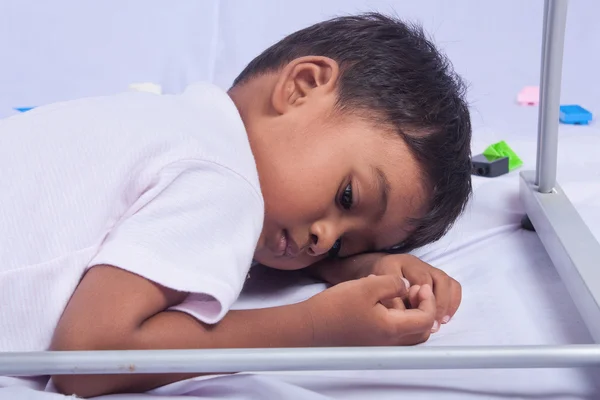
x=283 y=264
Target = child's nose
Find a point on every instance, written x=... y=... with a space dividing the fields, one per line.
x=322 y=239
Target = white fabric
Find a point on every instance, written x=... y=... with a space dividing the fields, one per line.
x=162 y=186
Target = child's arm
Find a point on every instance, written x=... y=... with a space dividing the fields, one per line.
x=116 y=310
x=448 y=292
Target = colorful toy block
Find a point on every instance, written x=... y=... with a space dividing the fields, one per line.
x=529 y=96
x=502 y=149
x=574 y=115
x=23 y=109
x=489 y=166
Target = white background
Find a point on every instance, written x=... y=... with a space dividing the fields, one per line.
x=64 y=49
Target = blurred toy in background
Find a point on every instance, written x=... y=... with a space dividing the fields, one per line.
x=146 y=87
x=489 y=166
x=574 y=114
x=497 y=159
x=529 y=96
x=502 y=149
x=23 y=109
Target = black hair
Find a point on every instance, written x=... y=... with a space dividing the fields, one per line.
x=390 y=72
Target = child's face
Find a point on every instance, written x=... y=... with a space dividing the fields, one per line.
x=325 y=176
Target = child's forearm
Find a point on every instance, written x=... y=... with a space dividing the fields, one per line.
x=345 y=269
x=287 y=326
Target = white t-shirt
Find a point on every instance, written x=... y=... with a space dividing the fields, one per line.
x=163 y=186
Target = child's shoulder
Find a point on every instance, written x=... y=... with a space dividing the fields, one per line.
x=138 y=129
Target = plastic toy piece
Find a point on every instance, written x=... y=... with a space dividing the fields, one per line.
x=574 y=115
x=489 y=166
x=148 y=87
x=23 y=109
x=529 y=96
x=502 y=149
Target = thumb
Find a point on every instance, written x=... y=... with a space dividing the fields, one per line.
x=385 y=287
x=426 y=300
x=422 y=318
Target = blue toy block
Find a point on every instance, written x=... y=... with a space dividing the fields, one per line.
x=574 y=115
x=23 y=109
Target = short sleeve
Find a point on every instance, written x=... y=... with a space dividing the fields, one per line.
x=194 y=230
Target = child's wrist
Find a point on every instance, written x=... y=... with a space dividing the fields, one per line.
x=346 y=269
x=318 y=321
x=365 y=264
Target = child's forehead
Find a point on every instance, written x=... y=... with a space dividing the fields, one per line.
x=393 y=232
x=407 y=194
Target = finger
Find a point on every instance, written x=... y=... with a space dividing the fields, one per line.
x=418 y=276
x=398 y=304
x=413 y=296
x=421 y=319
x=406 y=282
x=442 y=285
x=455 y=299
x=385 y=287
x=388 y=303
x=394 y=304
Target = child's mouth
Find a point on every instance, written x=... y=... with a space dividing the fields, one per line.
x=282 y=244
x=285 y=246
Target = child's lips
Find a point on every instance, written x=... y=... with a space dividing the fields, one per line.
x=282 y=244
x=286 y=247
x=291 y=249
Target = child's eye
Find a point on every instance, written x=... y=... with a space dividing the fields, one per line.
x=346 y=197
x=335 y=249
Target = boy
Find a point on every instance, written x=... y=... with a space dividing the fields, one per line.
x=130 y=222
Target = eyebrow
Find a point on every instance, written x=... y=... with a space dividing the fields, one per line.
x=384 y=189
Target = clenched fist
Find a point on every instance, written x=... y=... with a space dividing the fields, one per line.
x=359 y=313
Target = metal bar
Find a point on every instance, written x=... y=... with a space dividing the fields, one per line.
x=297 y=359
x=555 y=20
x=570 y=244
x=543 y=102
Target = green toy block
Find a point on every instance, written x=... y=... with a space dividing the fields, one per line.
x=502 y=149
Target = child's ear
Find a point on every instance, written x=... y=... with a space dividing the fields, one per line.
x=302 y=78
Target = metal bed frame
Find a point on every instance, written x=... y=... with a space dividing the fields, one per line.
x=567 y=239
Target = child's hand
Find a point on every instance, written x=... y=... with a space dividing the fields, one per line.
x=352 y=313
x=447 y=291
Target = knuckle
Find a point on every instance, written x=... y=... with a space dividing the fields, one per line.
x=430 y=279
x=458 y=293
x=442 y=274
x=458 y=287
x=425 y=336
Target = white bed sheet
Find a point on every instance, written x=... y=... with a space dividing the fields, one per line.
x=512 y=293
